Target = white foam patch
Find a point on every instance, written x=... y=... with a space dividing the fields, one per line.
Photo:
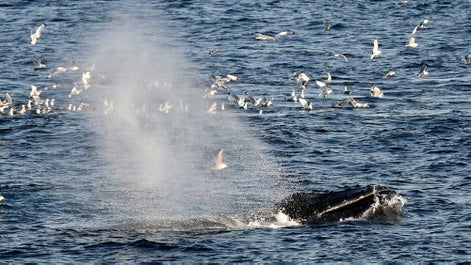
x=280 y=220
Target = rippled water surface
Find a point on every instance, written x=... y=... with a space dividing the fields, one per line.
x=89 y=182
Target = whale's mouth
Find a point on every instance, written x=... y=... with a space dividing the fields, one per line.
x=368 y=203
x=353 y=203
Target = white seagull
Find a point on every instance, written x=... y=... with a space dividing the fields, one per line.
x=337 y=54
x=8 y=98
x=326 y=25
x=329 y=77
x=75 y=91
x=261 y=36
x=324 y=89
x=355 y=104
x=34 y=91
x=58 y=70
x=38 y=64
x=421 y=26
x=307 y=105
x=389 y=74
x=375 y=52
x=423 y=71
x=37 y=34
x=165 y=108
x=213 y=108
x=284 y=33
x=376 y=91
x=412 y=43
x=85 y=77
x=218 y=164
x=302 y=79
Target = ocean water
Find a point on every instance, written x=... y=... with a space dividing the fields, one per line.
x=105 y=176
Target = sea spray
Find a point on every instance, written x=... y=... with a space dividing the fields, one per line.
x=158 y=163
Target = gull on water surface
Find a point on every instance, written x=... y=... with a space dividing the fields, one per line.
x=261 y=36
x=284 y=33
x=467 y=58
x=218 y=164
x=412 y=43
x=390 y=73
x=423 y=71
x=38 y=64
x=306 y=104
x=376 y=91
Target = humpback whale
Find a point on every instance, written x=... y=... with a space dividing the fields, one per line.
x=371 y=202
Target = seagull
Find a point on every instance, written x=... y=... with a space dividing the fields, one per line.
x=375 y=52
x=212 y=52
x=75 y=91
x=376 y=92
x=326 y=25
x=225 y=79
x=423 y=71
x=355 y=104
x=53 y=86
x=412 y=43
x=218 y=164
x=34 y=91
x=232 y=97
x=421 y=26
x=261 y=36
x=284 y=33
x=329 y=77
x=38 y=64
x=235 y=99
x=213 y=108
x=8 y=98
x=467 y=58
x=255 y=102
x=73 y=66
x=337 y=54
x=85 y=77
x=306 y=104
x=219 y=82
x=346 y=91
x=22 y=110
x=302 y=79
x=324 y=89
x=267 y=102
x=292 y=96
x=389 y=74
x=37 y=34
x=58 y=70
x=165 y=108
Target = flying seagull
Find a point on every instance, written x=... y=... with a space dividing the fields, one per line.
x=37 y=34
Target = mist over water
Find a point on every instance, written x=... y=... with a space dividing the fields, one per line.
x=158 y=165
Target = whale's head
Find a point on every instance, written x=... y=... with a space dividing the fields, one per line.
x=354 y=203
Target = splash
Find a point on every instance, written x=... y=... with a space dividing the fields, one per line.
x=159 y=142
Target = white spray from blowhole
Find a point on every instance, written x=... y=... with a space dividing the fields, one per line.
x=158 y=164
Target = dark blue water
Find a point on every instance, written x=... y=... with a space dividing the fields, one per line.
x=133 y=184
